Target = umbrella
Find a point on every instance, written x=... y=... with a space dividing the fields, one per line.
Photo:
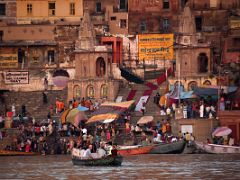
x=64 y=115
x=145 y=120
x=75 y=116
x=82 y=108
x=222 y=131
x=108 y=121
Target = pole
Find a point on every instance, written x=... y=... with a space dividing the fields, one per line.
x=179 y=84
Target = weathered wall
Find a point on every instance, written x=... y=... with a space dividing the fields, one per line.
x=202 y=128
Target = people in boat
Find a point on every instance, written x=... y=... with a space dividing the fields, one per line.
x=114 y=151
x=87 y=154
x=101 y=150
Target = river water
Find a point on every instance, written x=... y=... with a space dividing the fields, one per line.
x=180 y=166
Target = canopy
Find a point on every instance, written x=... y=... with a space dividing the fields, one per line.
x=64 y=115
x=222 y=131
x=73 y=116
x=102 y=117
x=82 y=108
x=145 y=120
x=110 y=110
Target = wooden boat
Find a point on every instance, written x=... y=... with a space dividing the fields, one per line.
x=217 y=149
x=169 y=148
x=105 y=161
x=134 y=150
x=17 y=153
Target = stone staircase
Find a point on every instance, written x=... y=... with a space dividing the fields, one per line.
x=33 y=102
x=152 y=109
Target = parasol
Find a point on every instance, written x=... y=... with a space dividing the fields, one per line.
x=64 y=115
x=222 y=131
x=74 y=116
x=145 y=120
x=82 y=108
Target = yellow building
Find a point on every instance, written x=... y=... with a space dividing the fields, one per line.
x=36 y=11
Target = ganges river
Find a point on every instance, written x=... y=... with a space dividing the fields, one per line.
x=192 y=166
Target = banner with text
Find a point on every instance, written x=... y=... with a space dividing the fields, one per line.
x=155 y=46
x=17 y=77
x=8 y=61
x=235 y=23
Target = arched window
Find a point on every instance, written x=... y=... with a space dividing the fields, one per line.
x=207 y=83
x=104 y=91
x=192 y=85
x=90 y=91
x=203 y=63
x=76 y=92
x=100 y=67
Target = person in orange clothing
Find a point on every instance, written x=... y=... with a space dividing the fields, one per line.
x=62 y=106
x=75 y=103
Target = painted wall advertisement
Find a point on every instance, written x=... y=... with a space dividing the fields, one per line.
x=8 y=61
x=155 y=46
x=16 y=77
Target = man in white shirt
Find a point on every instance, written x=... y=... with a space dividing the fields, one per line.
x=101 y=151
x=84 y=130
x=87 y=153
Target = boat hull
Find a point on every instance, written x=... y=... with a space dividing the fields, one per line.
x=135 y=150
x=169 y=148
x=217 y=149
x=17 y=153
x=106 y=161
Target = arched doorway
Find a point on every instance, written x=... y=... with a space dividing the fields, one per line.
x=202 y=63
x=104 y=91
x=100 y=67
x=192 y=85
x=207 y=83
x=76 y=92
x=90 y=91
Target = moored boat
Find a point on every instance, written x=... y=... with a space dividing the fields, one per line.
x=105 y=161
x=17 y=153
x=168 y=148
x=217 y=149
x=134 y=150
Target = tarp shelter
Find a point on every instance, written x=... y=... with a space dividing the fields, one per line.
x=110 y=110
x=213 y=90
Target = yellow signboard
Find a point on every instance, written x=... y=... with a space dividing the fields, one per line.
x=8 y=61
x=235 y=23
x=155 y=46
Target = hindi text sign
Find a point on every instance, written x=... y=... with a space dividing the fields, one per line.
x=17 y=77
x=155 y=46
x=8 y=61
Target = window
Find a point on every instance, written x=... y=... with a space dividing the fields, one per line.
x=98 y=7
x=1 y=36
x=29 y=8
x=113 y=18
x=143 y=26
x=51 y=8
x=123 y=23
x=122 y=4
x=198 y=22
x=166 y=25
x=51 y=56
x=165 y=4
x=2 y=9
x=72 y=8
